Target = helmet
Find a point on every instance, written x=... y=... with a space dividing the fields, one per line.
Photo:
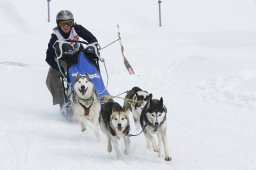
x=64 y=15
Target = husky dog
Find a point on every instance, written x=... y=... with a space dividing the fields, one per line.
x=114 y=122
x=153 y=121
x=136 y=99
x=86 y=105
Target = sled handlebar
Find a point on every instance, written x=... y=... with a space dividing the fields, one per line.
x=95 y=45
x=82 y=42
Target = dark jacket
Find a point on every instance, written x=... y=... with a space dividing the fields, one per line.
x=80 y=30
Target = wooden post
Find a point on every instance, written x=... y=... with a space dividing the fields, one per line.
x=159 y=4
x=48 y=2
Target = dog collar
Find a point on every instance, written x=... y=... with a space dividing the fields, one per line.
x=87 y=102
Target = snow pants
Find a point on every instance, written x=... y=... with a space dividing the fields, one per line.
x=54 y=85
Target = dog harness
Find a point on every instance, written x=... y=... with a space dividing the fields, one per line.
x=89 y=103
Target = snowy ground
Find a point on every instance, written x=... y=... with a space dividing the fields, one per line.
x=202 y=62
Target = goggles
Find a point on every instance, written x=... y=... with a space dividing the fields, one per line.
x=68 y=23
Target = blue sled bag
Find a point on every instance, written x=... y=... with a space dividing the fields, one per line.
x=84 y=66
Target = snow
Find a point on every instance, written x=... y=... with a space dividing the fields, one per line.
x=201 y=61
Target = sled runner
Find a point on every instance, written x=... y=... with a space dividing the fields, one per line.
x=82 y=66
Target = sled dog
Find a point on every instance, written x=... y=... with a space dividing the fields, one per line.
x=114 y=122
x=153 y=120
x=136 y=99
x=86 y=105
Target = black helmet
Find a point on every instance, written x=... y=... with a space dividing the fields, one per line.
x=64 y=15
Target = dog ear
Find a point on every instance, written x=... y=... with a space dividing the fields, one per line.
x=87 y=75
x=149 y=97
x=113 y=109
x=125 y=108
x=126 y=111
x=148 y=104
x=137 y=96
x=78 y=75
x=161 y=102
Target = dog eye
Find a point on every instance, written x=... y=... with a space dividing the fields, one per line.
x=153 y=115
x=122 y=118
x=160 y=114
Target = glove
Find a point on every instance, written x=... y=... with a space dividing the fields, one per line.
x=92 y=50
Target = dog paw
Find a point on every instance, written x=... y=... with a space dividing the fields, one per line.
x=109 y=148
x=126 y=151
x=83 y=129
x=119 y=157
x=156 y=149
x=168 y=158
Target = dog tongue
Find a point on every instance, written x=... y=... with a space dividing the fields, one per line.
x=84 y=91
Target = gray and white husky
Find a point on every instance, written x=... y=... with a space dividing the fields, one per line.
x=86 y=104
x=114 y=122
x=153 y=120
x=135 y=100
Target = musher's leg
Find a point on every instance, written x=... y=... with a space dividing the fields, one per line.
x=54 y=85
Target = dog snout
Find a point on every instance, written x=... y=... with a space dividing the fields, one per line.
x=82 y=87
x=119 y=125
x=156 y=123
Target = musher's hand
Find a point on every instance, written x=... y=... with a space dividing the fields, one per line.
x=93 y=50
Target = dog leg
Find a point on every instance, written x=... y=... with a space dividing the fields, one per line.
x=114 y=141
x=109 y=148
x=95 y=124
x=136 y=120
x=149 y=146
x=88 y=123
x=127 y=144
x=137 y=124
x=160 y=142
x=83 y=128
x=153 y=141
x=166 y=149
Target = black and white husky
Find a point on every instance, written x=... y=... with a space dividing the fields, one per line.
x=153 y=120
x=86 y=104
x=114 y=122
x=135 y=100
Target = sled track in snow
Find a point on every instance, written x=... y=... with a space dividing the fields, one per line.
x=225 y=91
x=11 y=63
